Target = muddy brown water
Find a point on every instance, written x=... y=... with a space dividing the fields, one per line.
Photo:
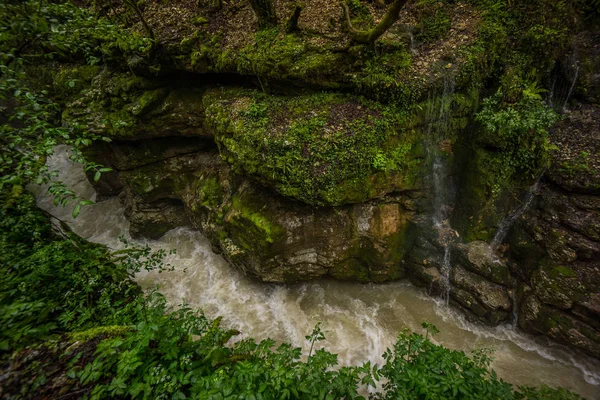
x=360 y=320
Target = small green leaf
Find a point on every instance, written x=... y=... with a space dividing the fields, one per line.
x=97 y=176
x=76 y=210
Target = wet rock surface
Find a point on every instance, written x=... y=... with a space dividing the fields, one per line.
x=556 y=245
x=182 y=158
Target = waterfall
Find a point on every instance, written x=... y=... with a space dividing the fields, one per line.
x=562 y=82
x=573 y=82
x=515 y=309
x=438 y=121
x=508 y=222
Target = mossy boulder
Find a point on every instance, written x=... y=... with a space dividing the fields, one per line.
x=556 y=251
x=321 y=149
x=266 y=235
x=558 y=325
x=575 y=155
x=70 y=80
x=124 y=106
x=563 y=285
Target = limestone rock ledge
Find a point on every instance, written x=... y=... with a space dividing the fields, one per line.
x=270 y=190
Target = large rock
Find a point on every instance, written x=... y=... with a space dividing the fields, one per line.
x=269 y=237
x=575 y=163
x=124 y=106
x=559 y=325
x=322 y=149
x=488 y=300
x=480 y=258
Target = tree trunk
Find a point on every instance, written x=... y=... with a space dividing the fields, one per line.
x=370 y=36
x=265 y=12
x=136 y=9
x=292 y=24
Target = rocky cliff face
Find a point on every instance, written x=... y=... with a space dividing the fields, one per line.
x=556 y=246
x=291 y=183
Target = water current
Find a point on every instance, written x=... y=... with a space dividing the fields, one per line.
x=360 y=320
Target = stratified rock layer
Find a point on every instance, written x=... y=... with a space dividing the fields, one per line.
x=221 y=176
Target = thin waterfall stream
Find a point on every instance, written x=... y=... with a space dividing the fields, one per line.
x=508 y=222
x=360 y=320
x=572 y=86
x=437 y=118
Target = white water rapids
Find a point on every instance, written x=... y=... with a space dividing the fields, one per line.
x=360 y=320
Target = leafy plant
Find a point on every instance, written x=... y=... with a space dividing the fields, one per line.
x=519 y=130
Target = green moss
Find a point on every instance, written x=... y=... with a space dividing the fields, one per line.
x=147 y=101
x=358 y=262
x=100 y=331
x=210 y=193
x=321 y=149
x=354 y=269
x=250 y=224
x=72 y=80
x=434 y=21
x=562 y=271
x=113 y=104
x=274 y=56
x=399 y=244
x=485 y=178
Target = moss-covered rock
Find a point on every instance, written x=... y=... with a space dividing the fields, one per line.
x=558 y=325
x=269 y=237
x=322 y=149
x=575 y=155
x=128 y=107
x=556 y=248
x=491 y=296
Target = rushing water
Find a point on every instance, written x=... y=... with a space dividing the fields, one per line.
x=507 y=222
x=360 y=320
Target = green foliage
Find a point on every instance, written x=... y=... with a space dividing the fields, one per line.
x=176 y=354
x=519 y=131
x=416 y=368
x=145 y=349
x=37 y=31
x=31 y=308
x=51 y=283
x=383 y=78
x=434 y=22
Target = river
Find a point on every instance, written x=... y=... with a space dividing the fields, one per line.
x=360 y=320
